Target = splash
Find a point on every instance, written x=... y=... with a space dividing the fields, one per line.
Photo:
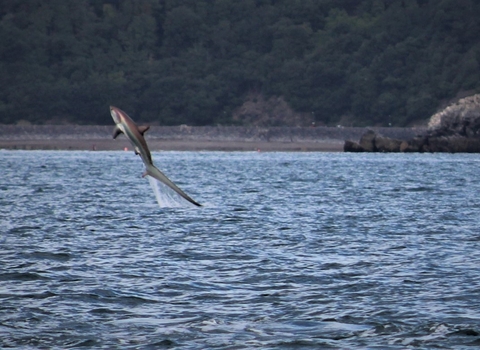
x=166 y=197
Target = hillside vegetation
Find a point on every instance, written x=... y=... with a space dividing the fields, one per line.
x=196 y=62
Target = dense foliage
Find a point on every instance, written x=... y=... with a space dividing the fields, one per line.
x=195 y=61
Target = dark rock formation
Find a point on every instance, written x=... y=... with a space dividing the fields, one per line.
x=456 y=129
x=416 y=144
x=351 y=146
x=387 y=144
x=452 y=144
x=373 y=142
x=461 y=118
x=367 y=141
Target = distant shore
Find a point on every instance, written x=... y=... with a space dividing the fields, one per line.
x=187 y=138
x=173 y=145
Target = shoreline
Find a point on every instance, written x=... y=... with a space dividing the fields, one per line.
x=191 y=138
x=173 y=145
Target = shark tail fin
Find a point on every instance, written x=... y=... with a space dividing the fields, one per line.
x=157 y=174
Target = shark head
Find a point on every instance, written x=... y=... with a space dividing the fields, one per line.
x=116 y=114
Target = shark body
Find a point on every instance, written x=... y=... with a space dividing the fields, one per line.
x=125 y=125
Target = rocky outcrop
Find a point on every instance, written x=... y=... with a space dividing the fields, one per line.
x=452 y=144
x=373 y=142
x=387 y=144
x=461 y=118
x=367 y=141
x=456 y=129
x=413 y=145
x=351 y=146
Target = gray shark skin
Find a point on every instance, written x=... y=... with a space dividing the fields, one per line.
x=125 y=125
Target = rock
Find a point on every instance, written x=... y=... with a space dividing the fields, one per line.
x=472 y=145
x=460 y=118
x=387 y=144
x=453 y=144
x=367 y=141
x=373 y=142
x=351 y=146
x=417 y=144
x=455 y=129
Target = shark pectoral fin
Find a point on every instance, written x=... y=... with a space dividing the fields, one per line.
x=116 y=132
x=145 y=173
x=137 y=151
x=142 y=129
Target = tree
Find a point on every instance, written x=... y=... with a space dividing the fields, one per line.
x=195 y=61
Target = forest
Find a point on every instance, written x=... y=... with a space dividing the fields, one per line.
x=170 y=62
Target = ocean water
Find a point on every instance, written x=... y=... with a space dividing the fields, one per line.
x=289 y=251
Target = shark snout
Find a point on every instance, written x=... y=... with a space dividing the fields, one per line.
x=115 y=114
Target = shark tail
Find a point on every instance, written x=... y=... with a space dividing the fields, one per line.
x=152 y=171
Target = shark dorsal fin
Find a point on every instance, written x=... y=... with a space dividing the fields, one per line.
x=116 y=132
x=143 y=128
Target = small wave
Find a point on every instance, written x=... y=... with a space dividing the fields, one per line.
x=42 y=295
x=22 y=276
x=50 y=256
x=420 y=189
x=108 y=296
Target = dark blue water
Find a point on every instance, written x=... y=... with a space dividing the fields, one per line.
x=291 y=250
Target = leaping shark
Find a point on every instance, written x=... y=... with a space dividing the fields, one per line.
x=125 y=125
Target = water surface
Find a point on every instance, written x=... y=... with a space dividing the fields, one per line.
x=291 y=250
